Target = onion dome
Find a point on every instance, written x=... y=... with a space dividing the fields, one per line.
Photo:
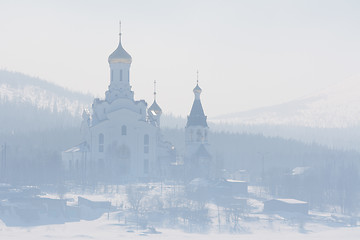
x=197 y=89
x=155 y=109
x=120 y=55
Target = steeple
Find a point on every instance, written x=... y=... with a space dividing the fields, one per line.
x=120 y=55
x=197 y=116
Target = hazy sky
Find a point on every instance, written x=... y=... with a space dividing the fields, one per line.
x=249 y=53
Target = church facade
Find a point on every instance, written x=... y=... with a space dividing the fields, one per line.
x=122 y=137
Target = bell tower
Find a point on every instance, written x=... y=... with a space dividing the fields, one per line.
x=120 y=62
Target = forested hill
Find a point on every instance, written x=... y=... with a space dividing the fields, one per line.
x=18 y=87
x=253 y=152
x=30 y=104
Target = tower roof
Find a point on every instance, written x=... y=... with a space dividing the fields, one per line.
x=120 y=55
x=197 y=116
x=155 y=109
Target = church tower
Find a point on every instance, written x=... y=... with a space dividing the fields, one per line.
x=196 y=129
x=197 y=157
x=120 y=62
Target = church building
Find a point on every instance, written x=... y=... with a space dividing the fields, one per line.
x=121 y=137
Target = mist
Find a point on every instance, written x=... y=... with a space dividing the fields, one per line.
x=185 y=120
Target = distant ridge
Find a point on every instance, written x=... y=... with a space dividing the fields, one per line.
x=337 y=106
x=16 y=87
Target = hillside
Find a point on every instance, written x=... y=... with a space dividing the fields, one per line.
x=31 y=104
x=20 y=88
x=337 y=106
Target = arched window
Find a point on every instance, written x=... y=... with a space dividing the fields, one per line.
x=101 y=142
x=146 y=143
x=121 y=75
x=123 y=130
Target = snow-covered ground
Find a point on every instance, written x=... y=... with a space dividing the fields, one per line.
x=252 y=225
x=104 y=228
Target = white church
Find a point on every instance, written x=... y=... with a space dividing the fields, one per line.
x=121 y=137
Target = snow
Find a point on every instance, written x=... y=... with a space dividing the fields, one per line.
x=253 y=225
x=290 y=201
x=235 y=181
x=104 y=228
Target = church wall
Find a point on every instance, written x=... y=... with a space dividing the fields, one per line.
x=119 y=74
x=129 y=148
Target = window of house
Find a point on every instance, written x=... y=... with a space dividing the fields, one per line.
x=121 y=75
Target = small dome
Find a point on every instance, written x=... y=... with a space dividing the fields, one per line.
x=197 y=89
x=155 y=109
x=120 y=55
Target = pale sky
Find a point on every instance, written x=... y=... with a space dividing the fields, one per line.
x=249 y=53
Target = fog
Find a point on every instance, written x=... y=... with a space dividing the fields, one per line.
x=249 y=53
x=137 y=130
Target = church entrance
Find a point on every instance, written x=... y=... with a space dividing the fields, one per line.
x=119 y=160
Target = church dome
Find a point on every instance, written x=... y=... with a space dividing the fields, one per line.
x=155 y=109
x=120 y=55
x=197 y=89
